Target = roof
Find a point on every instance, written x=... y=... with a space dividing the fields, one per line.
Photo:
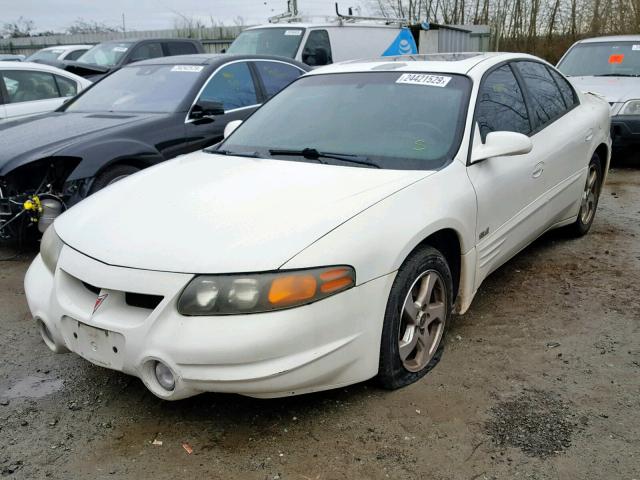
x=460 y=63
x=213 y=58
x=612 y=38
x=325 y=24
x=66 y=47
x=136 y=40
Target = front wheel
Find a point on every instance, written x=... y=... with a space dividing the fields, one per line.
x=416 y=319
x=588 y=199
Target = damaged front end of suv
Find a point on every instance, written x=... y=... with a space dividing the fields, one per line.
x=32 y=195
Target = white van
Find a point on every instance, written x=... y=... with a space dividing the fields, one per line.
x=346 y=37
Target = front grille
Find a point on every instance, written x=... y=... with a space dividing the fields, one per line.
x=139 y=300
x=91 y=288
x=142 y=300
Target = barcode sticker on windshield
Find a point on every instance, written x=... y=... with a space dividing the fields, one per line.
x=424 y=79
x=635 y=47
x=294 y=33
x=120 y=49
x=187 y=68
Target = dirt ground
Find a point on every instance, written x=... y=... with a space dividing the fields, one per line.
x=540 y=380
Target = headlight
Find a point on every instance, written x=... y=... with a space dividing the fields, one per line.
x=262 y=292
x=50 y=248
x=632 y=107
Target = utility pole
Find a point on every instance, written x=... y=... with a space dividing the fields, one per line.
x=124 y=29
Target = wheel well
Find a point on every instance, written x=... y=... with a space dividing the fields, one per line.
x=447 y=242
x=132 y=162
x=603 y=153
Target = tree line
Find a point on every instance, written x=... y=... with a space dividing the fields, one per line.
x=542 y=27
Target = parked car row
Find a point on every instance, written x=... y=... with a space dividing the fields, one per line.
x=325 y=240
x=140 y=115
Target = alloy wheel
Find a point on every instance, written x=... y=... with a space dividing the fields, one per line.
x=423 y=318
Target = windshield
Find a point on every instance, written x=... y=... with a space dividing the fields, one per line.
x=283 y=42
x=46 y=55
x=395 y=120
x=606 y=58
x=148 y=88
x=105 y=54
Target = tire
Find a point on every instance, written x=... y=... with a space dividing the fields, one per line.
x=425 y=265
x=588 y=199
x=112 y=175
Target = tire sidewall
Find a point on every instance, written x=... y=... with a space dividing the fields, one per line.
x=583 y=228
x=392 y=373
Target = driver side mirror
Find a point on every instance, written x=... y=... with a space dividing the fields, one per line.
x=231 y=126
x=206 y=110
x=501 y=144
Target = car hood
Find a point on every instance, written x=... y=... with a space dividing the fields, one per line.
x=613 y=89
x=205 y=213
x=23 y=141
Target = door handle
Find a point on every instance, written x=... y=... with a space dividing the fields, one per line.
x=538 y=170
x=589 y=135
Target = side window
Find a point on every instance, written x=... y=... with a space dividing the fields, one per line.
x=232 y=86
x=501 y=104
x=181 y=48
x=66 y=87
x=547 y=103
x=275 y=76
x=28 y=86
x=146 y=51
x=567 y=91
x=74 y=55
x=317 y=50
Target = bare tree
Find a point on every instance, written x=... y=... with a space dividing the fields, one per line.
x=22 y=27
x=89 y=26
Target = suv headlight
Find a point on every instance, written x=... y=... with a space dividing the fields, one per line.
x=50 y=248
x=632 y=107
x=262 y=292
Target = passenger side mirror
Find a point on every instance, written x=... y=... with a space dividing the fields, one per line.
x=231 y=126
x=206 y=110
x=501 y=144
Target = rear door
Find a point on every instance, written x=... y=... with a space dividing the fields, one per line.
x=235 y=86
x=510 y=190
x=275 y=75
x=563 y=135
x=30 y=92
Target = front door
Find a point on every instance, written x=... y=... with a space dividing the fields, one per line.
x=234 y=86
x=510 y=190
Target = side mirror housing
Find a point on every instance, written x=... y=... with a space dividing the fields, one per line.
x=205 y=109
x=231 y=126
x=501 y=144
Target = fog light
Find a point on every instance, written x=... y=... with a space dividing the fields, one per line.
x=164 y=376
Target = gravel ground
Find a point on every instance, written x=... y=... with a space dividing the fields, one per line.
x=540 y=380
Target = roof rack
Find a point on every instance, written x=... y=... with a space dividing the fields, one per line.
x=353 y=18
x=292 y=15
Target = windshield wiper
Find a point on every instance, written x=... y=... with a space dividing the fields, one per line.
x=313 y=154
x=616 y=75
x=235 y=154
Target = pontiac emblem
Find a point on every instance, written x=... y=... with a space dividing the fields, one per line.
x=99 y=301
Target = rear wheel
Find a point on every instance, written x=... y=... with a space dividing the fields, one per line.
x=416 y=319
x=588 y=199
x=112 y=175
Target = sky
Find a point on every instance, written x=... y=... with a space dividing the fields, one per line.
x=155 y=14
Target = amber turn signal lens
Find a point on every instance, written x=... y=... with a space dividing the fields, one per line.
x=336 y=279
x=292 y=289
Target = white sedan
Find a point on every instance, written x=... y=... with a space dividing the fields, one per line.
x=28 y=88
x=331 y=236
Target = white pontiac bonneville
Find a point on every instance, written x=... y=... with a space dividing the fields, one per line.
x=330 y=237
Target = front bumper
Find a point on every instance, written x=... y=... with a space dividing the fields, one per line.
x=625 y=130
x=330 y=343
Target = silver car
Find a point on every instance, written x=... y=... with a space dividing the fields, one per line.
x=610 y=66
